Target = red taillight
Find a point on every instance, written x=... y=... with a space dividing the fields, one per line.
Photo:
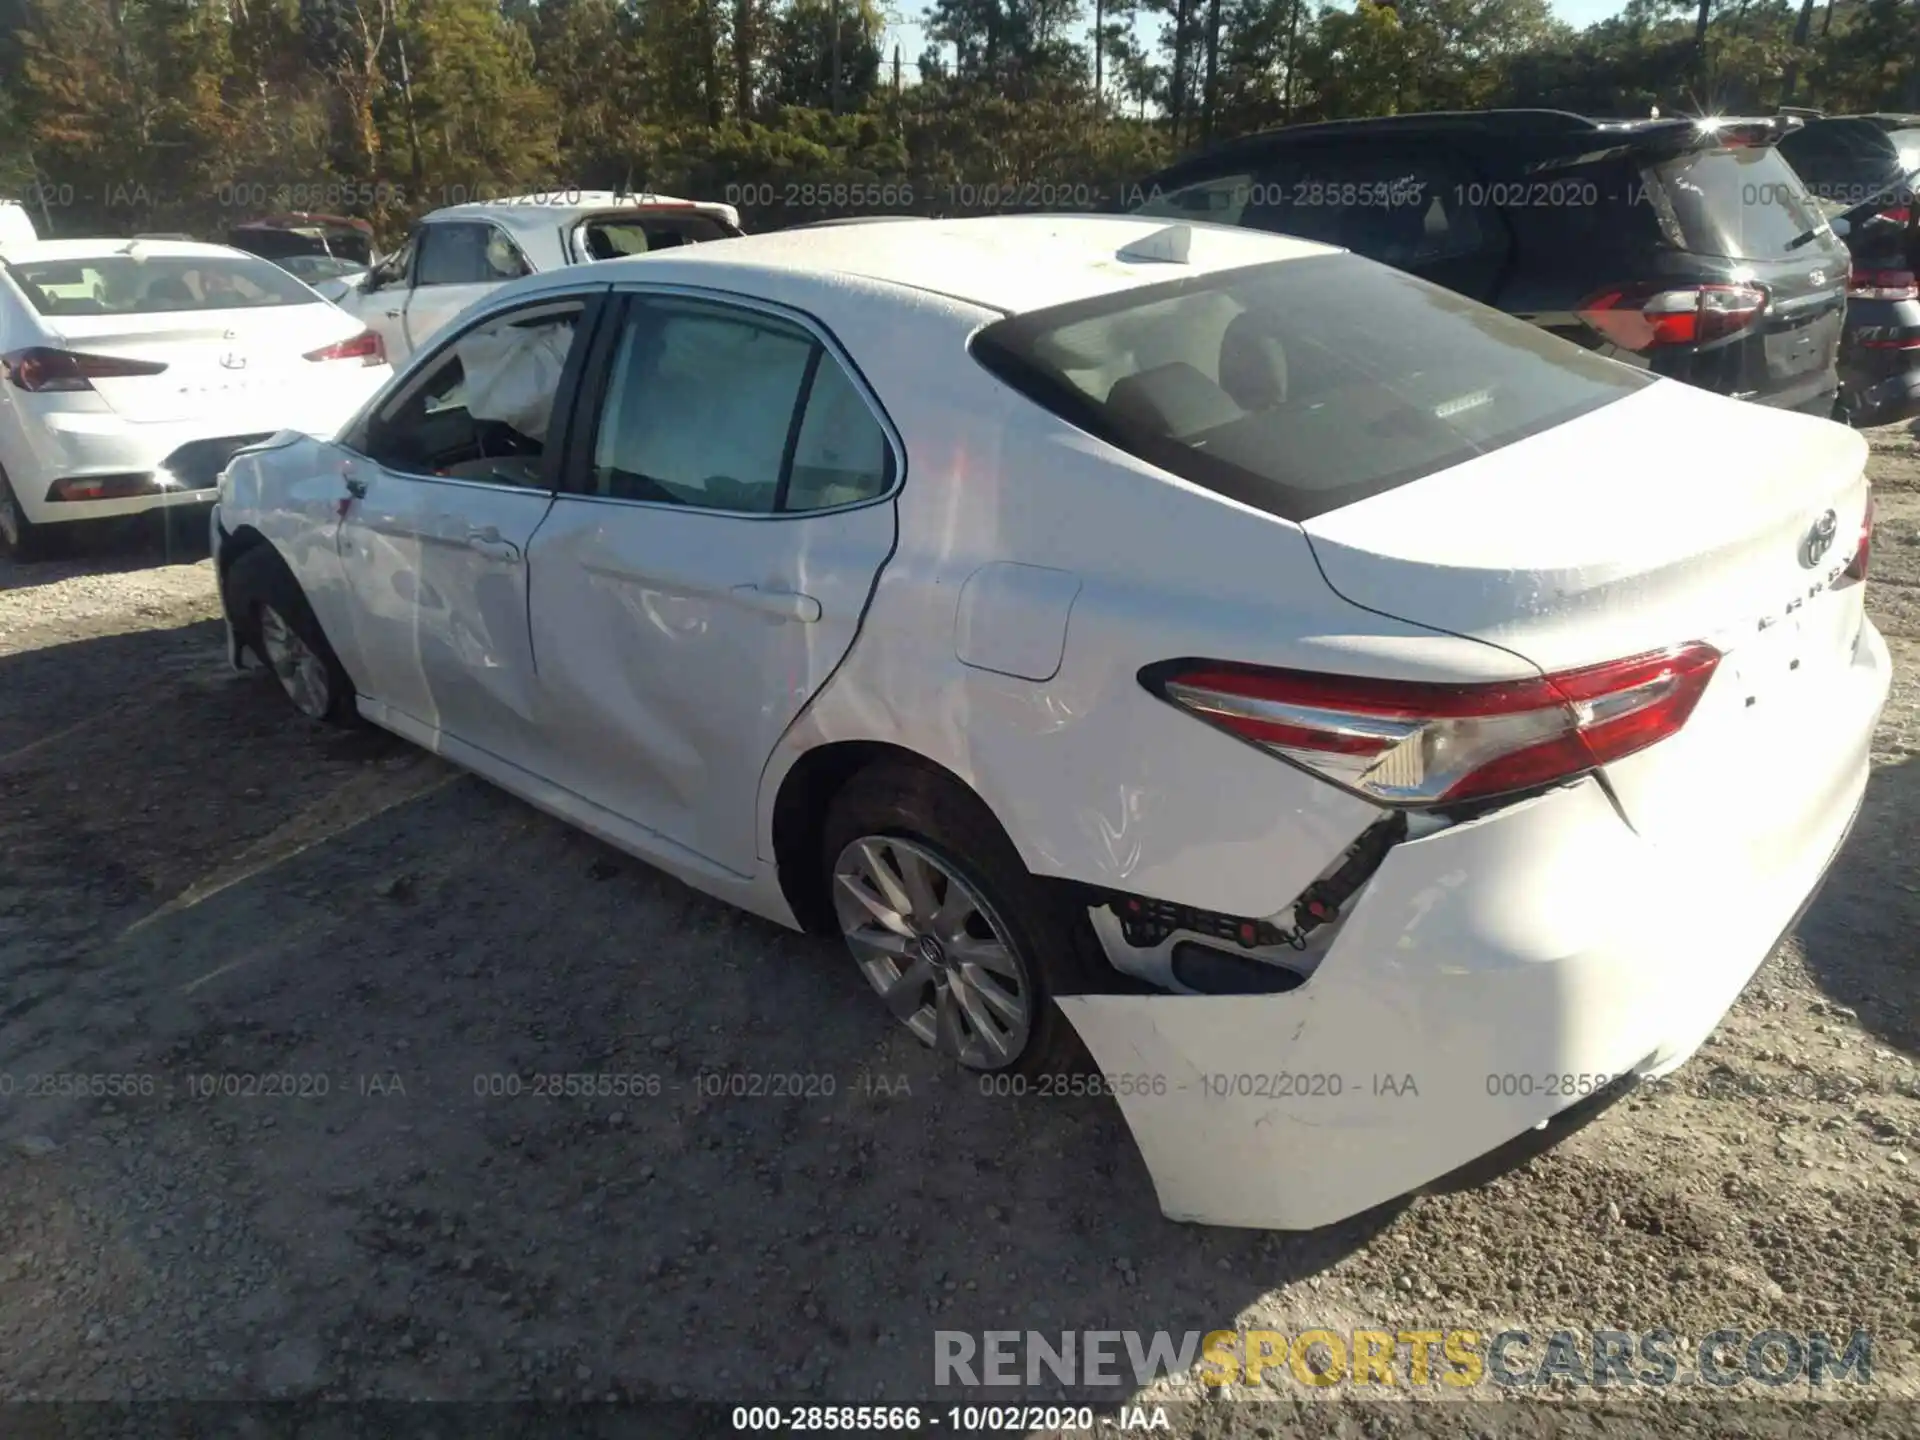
x=103 y=487
x=1862 y=552
x=366 y=347
x=1420 y=744
x=39 y=369
x=1899 y=214
x=1882 y=285
x=1644 y=317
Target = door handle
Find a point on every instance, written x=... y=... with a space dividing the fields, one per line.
x=393 y=314
x=489 y=543
x=787 y=604
x=356 y=487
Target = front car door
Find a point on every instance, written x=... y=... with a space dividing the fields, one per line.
x=451 y=477
x=461 y=261
x=381 y=301
x=725 y=509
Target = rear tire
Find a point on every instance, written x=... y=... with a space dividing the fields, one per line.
x=965 y=947
x=273 y=619
x=20 y=538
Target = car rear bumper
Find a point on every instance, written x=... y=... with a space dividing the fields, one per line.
x=182 y=459
x=1489 y=978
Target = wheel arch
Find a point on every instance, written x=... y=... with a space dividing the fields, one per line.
x=800 y=807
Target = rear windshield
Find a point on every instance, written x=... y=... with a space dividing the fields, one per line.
x=618 y=236
x=1300 y=386
x=155 y=284
x=1746 y=204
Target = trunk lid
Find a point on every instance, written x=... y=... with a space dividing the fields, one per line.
x=217 y=360
x=1669 y=516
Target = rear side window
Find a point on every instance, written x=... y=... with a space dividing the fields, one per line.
x=615 y=236
x=1300 y=386
x=1746 y=204
x=465 y=253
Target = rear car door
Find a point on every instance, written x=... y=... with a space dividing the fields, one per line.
x=460 y=262
x=449 y=480
x=726 y=508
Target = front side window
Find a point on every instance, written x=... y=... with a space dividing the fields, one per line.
x=394 y=270
x=155 y=284
x=1299 y=386
x=468 y=253
x=482 y=408
x=728 y=409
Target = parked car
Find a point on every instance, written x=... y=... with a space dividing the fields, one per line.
x=458 y=255
x=277 y=237
x=16 y=225
x=1866 y=171
x=317 y=270
x=1170 y=631
x=1692 y=252
x=130 y=371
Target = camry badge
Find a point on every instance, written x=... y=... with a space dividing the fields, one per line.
x=1818 y=540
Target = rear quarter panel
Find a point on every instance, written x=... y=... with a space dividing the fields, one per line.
x=1093 y=778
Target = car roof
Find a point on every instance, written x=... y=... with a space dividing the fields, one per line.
x=99 y=247
x=562 y=207
x=1009 y=263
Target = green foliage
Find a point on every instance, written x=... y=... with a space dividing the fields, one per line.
x=118 y=115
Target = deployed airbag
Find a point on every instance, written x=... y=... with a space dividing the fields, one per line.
x=512 y=374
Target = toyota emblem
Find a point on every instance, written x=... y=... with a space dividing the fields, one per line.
x=1818 y=277
x=1819 y=539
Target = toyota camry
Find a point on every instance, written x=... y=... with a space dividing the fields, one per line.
x=1371 y=729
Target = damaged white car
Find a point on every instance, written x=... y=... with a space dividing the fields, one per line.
x=1375 y=728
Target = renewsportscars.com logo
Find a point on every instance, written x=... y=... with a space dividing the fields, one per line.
x=1446 y=1357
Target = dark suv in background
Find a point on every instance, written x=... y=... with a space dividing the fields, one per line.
x=1692 y=251
x=1865 y=169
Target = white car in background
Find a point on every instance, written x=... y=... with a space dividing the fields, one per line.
x=1384 y=732
x=130 y=370
x=458 y=255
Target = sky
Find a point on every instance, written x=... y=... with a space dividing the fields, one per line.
x=912 y=39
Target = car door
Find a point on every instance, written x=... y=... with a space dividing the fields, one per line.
x=446 y=484
x=380 y=302
x=725 y=509
x=461 y=261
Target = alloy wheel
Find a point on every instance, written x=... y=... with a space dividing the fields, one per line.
x=302 y=674
x=933 y=950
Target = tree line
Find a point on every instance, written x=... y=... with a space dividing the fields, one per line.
x=118 y=116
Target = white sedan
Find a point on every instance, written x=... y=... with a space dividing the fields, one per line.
x=130 y=370
x=458 y=256
x=1374 y=728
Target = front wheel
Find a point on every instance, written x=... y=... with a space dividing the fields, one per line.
x=275 y=621
x=964 y=946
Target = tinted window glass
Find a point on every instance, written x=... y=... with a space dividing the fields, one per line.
x=734 y=410
x=1300 y=386
x=482 y=407
x=840 y=455
x=1747 y=204
x=1400 y=207
x=700 y=406
x=1221 y=199
x=156 y=284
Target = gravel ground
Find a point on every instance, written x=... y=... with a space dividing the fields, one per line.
x=195 y=883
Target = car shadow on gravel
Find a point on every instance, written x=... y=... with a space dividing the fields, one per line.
x=424 y=1094
x=1858 y=934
